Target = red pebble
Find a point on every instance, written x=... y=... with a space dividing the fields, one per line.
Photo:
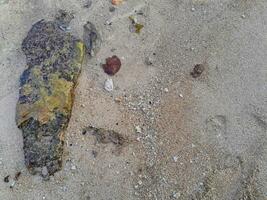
x=112 y=66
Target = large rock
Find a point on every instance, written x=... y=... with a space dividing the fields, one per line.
x=54 y=60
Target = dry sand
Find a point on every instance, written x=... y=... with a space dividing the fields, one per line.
x=202 y=138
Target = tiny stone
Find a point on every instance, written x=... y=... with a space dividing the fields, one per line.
x=118 y=99
x=6 y=179
x=94 y=153
x=134 y=20
x=84 y=132
x=148 y=61
x=198 y=70
x=108 y=22
x=92 y=44
x=12 y=184
x=140 y=182
x=73 y=167
x=64 y=188
x=116 y=2
x=109 y=85
x=175 y=158
x=88 y=4
x=243 y=16
x=193 y=9
x=44 y=172
x=111 y=9
x=112 y=65
x=180 y=95
x=166 y=90
x=138 y=129
x=176 y=195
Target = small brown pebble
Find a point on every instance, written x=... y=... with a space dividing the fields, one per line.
x=6 y=179
x=118 y=99
x=112 y=66
x=116 y=2
x=198 y=70
x=84 y=132
x=17 y=175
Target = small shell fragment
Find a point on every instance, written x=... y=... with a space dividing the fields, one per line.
x=109 y=85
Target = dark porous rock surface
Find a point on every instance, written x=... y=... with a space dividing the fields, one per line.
x=54 y=60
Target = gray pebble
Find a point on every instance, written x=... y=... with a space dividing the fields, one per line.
x=45 y=172
x=88 y=4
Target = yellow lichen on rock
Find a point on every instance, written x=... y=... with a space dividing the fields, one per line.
x=56 y=95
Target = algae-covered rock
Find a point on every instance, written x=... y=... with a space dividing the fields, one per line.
x=54 y=59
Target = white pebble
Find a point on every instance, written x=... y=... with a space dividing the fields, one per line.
x=166 y=90
x=138 y=129
x=193 y=9
x=64 y=188
x=73 y=167
x=109 y=85
x=108 y=22
x=175 y=158
x=13 y=183
x=44 y=172
x=176 y=195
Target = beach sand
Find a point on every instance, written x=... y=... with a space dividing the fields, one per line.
x=187 y=138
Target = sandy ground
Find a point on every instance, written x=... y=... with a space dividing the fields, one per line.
x=202 y=138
